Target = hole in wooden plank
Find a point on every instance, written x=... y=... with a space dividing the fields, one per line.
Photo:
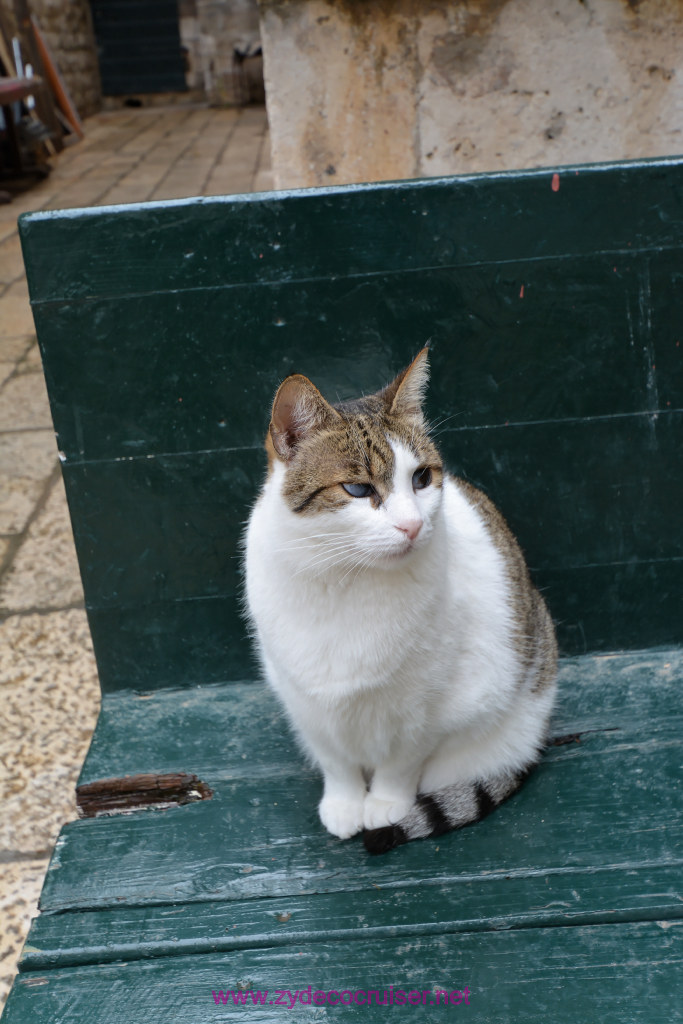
x=130 y=793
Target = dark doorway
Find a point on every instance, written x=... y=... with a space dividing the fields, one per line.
x=139 y=48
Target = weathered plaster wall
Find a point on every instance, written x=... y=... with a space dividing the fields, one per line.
x=365 y=90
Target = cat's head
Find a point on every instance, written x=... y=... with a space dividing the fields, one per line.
x=361 y=479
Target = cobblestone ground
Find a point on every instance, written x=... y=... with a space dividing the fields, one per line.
x=49 y=694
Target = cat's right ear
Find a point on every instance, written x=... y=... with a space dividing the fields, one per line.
x=298 y=410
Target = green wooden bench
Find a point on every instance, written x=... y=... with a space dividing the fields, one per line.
x=554 y=302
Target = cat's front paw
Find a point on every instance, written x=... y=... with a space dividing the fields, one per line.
x=377 y=813
x=343 y=818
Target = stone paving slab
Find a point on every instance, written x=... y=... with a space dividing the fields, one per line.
x=13 y=348
x=44 y=572
x=24 y=404
x=48 y=682
x=27 y=460
x=50 y=698
x=15 y=315
x=20 y=885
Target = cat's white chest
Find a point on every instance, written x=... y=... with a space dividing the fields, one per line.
x=333 y=639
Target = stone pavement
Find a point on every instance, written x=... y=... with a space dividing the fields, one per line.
x=48 y=683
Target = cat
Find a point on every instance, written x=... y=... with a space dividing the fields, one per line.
x=394 y=617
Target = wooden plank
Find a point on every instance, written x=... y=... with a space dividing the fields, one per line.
x=56 y=82
x=377 y=228
x=183 y=643
x=579 y=502
x=617 y=974
x=599 y=547
x=157 y=377
x=189 y=499
x=554 y=899
x=609 y=801
x=8 y=67
x=213 y=726
x=618 y=604
x=189 y=510
x=666 y=279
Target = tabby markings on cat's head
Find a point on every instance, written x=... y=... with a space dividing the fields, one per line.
x=370 y=463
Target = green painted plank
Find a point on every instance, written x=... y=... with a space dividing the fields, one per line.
x=164 y=598
x=617 y=974
x=202 y=641
x=189 y=513
x=579 y=500
x=511 y=343
x=374 y=228
x=197 y=642
x=599 y=607
x=431 y=907
x=555 y=483
x=666 y=281
x=210 y=729
x=613 y=798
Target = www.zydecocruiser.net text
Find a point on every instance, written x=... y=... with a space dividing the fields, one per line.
x=361 y=997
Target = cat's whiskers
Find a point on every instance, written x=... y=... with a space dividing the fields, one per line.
x=361 y=560
x=328 y=549
x=325 y=569
x=366 y=563
x=328 y=559
x=434 y=429
x=304 y=543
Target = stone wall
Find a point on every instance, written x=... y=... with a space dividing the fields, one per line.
x=67 y=27
x=211 y=31
x=365 y=90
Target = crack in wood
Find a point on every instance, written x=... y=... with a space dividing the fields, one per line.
x=130 y=793
x=575 y=737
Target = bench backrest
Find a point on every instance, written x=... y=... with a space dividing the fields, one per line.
x=554 y=302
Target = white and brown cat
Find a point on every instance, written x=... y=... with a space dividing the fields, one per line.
x=394 y=617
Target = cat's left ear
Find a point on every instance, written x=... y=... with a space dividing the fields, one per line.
x=405 y=394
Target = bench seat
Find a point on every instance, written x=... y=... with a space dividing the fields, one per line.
x=570 y=889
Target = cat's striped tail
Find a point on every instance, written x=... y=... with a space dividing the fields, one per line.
x=463 y=803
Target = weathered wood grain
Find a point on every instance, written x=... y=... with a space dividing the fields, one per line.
x=615 y=974
x=609 y=801
x=318 y=234
x=238 y=730
x=437 y=906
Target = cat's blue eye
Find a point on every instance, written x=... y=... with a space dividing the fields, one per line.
x=358 y=490
x=422 y=478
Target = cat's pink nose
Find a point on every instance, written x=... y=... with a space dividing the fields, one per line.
x=411 y=527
